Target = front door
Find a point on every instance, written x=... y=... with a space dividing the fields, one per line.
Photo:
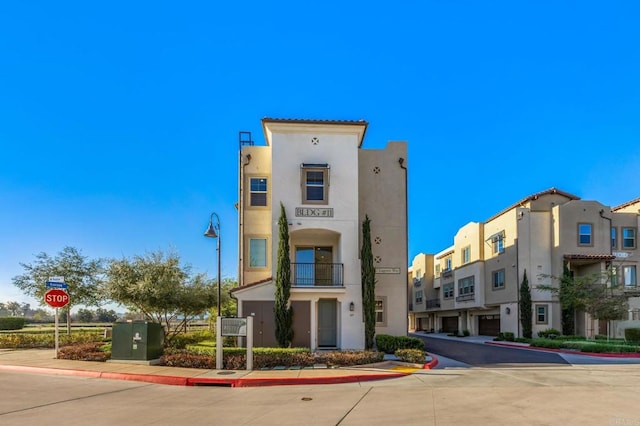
x=327 y=323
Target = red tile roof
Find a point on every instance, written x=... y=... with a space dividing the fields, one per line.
x=242 y=287
x=627 y=204
x=534 y=197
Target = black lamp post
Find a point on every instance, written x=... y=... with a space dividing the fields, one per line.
x=214 y=232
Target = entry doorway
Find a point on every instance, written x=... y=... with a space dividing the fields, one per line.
x=327 y=323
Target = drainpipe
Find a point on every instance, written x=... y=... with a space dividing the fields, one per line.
x=406 y=225
x=244 y=161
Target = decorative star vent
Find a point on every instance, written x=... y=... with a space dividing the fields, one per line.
x=378 y=240
x=378 y=259
x=376 y=170
x=315 y=141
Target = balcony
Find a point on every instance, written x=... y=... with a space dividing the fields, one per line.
x=432 y=303
x=317 y=275
x=465 y=297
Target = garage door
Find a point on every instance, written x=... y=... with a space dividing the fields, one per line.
x=489 y=325
x=449 y=324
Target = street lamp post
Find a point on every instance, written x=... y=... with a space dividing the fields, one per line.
x=214 y=232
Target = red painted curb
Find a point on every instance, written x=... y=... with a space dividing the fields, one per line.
x=564 y=351
x=195 y=381
x=431 y=364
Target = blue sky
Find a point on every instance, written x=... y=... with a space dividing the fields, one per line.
x=119 y=121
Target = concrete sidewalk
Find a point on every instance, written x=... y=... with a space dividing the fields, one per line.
x=43 y=361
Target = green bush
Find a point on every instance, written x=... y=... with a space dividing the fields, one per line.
x=547 y=343
x=235 y=358
x=415 y=356
x=389 y=344
x=549 y=333
x=39 y=340
x=12 y=323
x=508 y=336
x=180 y=341
x=386 y=343
x=466 y=333
x=632 y=335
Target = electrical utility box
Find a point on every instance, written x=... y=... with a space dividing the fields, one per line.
x=136 y=340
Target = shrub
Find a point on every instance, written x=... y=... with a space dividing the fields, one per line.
x=632 y=335
x=466 y=332
x=40 y=340
x=84 y=352
x=547 y=343
x=386 y=343
x=389 y=344
x=180 y=341
x=12 y=323
x=508 y=336
x=415 y=356
x=549 y=333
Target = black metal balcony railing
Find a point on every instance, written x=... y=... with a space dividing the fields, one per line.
x=465 y=297
x=317 y=275
x=432 y=303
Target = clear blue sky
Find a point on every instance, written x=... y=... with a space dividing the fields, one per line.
x=119 y=121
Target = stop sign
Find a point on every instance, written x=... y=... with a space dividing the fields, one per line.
x=56 y=298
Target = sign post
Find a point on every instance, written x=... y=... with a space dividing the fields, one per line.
x=239 y=327
x=56 y=297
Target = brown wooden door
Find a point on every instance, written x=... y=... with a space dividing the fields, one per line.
x=264 y=335
x=301 y=324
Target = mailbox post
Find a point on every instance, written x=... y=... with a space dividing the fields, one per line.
x=239 y=327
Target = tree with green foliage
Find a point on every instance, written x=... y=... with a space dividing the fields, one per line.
x=84 y=278
x=282 y=309
x=85 y=315
x=102 y=315
x=597 y=294
x=228 y=305
x=368 y=273
x=526 y=312
x=567 y=302
x=160 y=288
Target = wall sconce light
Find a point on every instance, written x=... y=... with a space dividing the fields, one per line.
x=352 y=306
x=508 y=310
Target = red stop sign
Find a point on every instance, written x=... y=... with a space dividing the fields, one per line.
x=56 y=298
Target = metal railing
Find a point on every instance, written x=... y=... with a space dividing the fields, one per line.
x=317 y=275
x=432 y=303
x=465 y=297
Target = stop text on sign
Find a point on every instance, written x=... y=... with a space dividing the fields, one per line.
x=56 y=298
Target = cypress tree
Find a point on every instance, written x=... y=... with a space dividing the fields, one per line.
x=283 y=312
x=567 y=296
x=526 y=314
x=368 y=285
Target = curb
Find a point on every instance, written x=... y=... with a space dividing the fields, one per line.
x=431 y=364
x=195 y=381
x=565 y=351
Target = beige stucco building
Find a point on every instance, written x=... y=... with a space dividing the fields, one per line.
x=327 y=183
x=474 y=284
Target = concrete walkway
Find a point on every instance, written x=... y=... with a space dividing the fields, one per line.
x=43 y=361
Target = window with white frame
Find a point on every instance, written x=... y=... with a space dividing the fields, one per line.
x=257 y=252
x=629 y=276
x=447 y=291
x=419 y=295
x=585 y=234
x=497 y=243
x=380 y=304
x=447 y=263
x=466 y=286
x=498 y=279
x=466 y=254
x=628 y=238
x=258 y=191
x=614 y=276
x=315 y=183
x=541 y=314
x=614 y=238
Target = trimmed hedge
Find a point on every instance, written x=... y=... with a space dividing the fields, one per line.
x=632 y=335
x=415 y=356
x=389 y=344
x=25 y=340
x=235 y=358
x=84 y=352
x=12 y=323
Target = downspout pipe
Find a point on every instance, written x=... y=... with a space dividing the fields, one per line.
x=406 y=227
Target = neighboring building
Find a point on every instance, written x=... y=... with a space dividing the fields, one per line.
x=327 y=183
x=474 y=284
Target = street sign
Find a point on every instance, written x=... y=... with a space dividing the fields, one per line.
x=56 y=298
x=55 y=284
x=56 y=279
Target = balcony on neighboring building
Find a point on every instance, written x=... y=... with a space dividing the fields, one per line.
x=317 y=275
x=432 y=303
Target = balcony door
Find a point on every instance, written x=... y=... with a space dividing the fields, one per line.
x=314 y=266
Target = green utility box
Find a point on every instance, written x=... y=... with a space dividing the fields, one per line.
x=136 y=340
